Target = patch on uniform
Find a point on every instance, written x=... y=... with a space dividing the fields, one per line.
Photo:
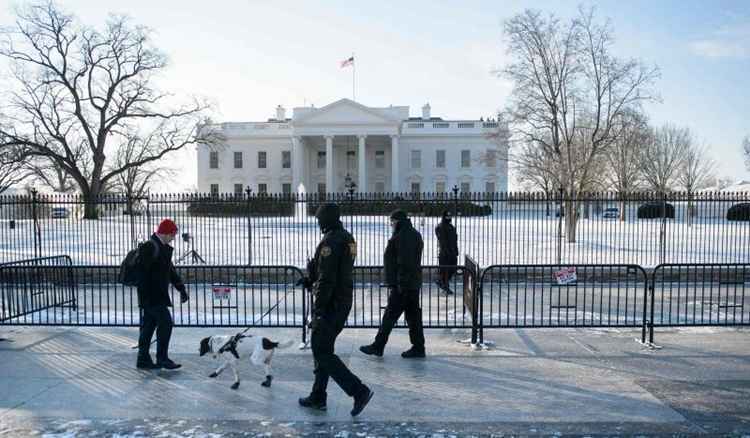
x=325 y=251
x=353 y=249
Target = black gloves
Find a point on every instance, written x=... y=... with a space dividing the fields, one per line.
x=183 y=293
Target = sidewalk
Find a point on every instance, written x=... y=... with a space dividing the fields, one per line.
x=76 y=381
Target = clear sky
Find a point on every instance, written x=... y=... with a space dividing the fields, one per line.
x=249 y=56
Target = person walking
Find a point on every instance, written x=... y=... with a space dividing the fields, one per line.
x=155 y=259
x=403 y=277
x=331 y=276
x=447 y=251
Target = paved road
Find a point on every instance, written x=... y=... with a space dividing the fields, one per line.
x=82 y=382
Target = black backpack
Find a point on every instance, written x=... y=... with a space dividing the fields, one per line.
x=131 y=268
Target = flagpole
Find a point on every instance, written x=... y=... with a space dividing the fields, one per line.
x=354 y=68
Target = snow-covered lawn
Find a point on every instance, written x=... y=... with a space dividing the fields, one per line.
x=509 y=236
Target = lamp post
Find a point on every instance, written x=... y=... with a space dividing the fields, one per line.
x=455 y=201
x=248 y=192
x=350 y=186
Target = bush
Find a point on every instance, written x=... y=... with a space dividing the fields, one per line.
x=231 y=206
x=423 y=208
x=739 y=212
x=655 y=210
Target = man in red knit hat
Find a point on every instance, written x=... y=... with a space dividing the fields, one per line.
x=153 y=296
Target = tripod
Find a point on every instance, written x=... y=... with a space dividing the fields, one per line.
x=191 y=253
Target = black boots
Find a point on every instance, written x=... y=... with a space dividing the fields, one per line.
x=313 y=402
x=413 y=353
x=371 y=350
x=361 y=400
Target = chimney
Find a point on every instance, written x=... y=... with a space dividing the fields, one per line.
x=280 y=113
x=426 y=112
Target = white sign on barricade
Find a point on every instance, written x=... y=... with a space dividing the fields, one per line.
x=566 y=276
x=221 y=291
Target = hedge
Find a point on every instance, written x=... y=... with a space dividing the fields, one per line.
x=411 y=207
x=739 y=212
x=256 y=206
x=655 y=210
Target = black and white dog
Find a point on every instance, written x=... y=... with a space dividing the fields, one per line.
x=232 y=349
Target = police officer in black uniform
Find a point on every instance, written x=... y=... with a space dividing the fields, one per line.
x=403 y=276
x=331 y=276
x=448 y=250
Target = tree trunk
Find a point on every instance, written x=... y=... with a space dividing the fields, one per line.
x=571 y=220
x=622 y=211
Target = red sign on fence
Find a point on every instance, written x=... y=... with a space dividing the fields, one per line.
x=221 y=292
x=566 y=276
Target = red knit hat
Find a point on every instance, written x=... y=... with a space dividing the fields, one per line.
x=167 y=226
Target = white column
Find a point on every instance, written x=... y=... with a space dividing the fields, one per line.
x=329 y=165
x=362 y=164
x=395 y=177
x=298 y=172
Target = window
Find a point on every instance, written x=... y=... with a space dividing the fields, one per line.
x=262 y=188
x=380 y=159
x=322 y=188
x=213 y=158
x=379 y=186
x=416 y=159
x=321 y=160
x=489 y=187
x=261 y=160
x=491 y=158
x=465 y=187
x=286 y=159
x=351 y=159
x=440 y=159
x=238 y=160
x=238 y=189
x=286 y=188
x=440 y=187
x=415 y=187
x=465 y=159
x=214 y=189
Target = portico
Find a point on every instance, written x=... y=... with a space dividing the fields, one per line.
x=345 y=138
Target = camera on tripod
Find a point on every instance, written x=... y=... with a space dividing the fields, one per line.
x=191 y=254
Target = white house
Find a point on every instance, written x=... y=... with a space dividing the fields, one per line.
x=378 y=149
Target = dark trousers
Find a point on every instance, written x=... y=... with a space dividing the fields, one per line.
x=328 y=364
x=155 y=318
x=447 y=273
x=398 y=303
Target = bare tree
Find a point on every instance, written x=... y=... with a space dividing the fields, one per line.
x=569 y=91
x=698 y=172
x=12 y=168
x=48 y=174
x=136 y=182
x=80 y=94
x=663 y=157
x=622 y=158
x=746 y=151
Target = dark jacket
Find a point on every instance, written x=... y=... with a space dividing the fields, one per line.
x=403 y=258
x=331 y=273
x=447 y=240
x=158 y=273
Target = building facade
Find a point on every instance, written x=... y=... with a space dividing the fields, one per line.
x=346 y=144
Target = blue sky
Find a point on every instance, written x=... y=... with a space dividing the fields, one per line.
x=249 y=56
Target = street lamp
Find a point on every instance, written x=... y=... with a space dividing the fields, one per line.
x=455 y=201
x=350 y=186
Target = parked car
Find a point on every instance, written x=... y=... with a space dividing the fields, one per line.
x=60 y=213
x=611 y=213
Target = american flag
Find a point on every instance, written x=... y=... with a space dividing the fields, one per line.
x=347 y=62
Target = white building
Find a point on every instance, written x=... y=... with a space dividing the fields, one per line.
x=379 y=149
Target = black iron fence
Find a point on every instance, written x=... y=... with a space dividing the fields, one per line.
x=32 y=286
x=699 y=295
x=646 y=229
x=499 y=296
